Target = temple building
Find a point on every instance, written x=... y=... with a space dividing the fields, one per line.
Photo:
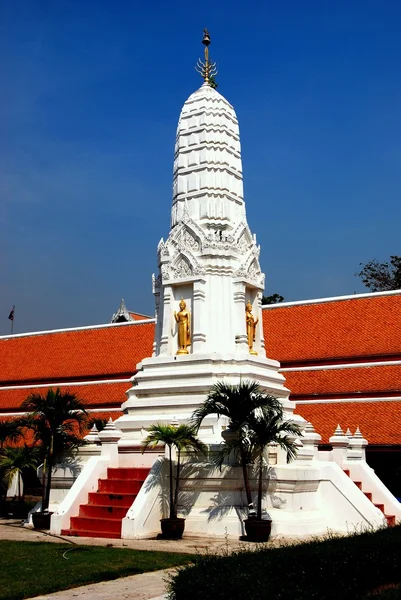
x=335 y=363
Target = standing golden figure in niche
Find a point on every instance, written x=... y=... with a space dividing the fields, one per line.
x=183 y=318
x=251 y=323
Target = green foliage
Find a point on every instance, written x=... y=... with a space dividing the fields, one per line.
x=255 y=420
x=347 y=568
x=273 y=299
x=181 y=438
x=55 y=420
x=381 y=277
x=36 y=568
x=16 y=461
x=10 y=431
x=213 y=83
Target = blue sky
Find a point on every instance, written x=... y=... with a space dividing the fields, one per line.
x=91 y=94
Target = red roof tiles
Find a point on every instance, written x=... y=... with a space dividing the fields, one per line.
x=362 y=380
x=83 y=353
x=94 y=395
x=356 y=327
x=379 y=422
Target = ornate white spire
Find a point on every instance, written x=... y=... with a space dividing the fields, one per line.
x=207 y=162
x=210 y=258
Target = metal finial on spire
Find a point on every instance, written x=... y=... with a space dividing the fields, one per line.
x=207 y=69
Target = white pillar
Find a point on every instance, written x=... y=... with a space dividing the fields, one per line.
x=357 y=445
x=340 y=443
x=241 y=340
x=199 y=317
x=109 y=438
x=165 y=333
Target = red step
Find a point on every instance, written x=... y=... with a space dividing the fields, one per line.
x=94 y=524
x=93 y=534
x=390 y=520
x=127 y=486
x=138 y=474
x=102 y=512
x=106 y=508
x=108 y=499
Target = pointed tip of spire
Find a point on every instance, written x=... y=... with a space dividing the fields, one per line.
x=206 y=37
x=207 y=69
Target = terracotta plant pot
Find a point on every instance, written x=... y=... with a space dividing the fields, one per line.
x=41 y=520
x=172 y=529
x=258 y=530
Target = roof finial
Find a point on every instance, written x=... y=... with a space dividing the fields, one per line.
x=207 y=69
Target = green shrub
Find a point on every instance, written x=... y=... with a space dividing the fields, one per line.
x=347 y=568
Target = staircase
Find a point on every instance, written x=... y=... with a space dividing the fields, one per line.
x=389 y=518
x=103 y=514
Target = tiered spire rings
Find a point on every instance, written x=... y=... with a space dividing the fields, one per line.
x=207 y=69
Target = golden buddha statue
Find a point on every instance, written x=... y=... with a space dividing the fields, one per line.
x=183 y=318
x=251 y=323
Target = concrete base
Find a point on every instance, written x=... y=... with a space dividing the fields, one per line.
x=172 y=387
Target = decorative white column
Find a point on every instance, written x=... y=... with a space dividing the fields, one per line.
x=357 y=447
x=199 y=318
x=241 y=340
x=93 y=436
x=109 y=438
x=166 y=327
x=310 y=442
x=340 y=443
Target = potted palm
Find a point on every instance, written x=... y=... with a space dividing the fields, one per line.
x=264 y=428
x=55 y=420
x=255 y=419
x=180 y=438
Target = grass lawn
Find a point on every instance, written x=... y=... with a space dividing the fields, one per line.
x=30 y=569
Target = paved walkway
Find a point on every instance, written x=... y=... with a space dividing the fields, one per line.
x=147 y=586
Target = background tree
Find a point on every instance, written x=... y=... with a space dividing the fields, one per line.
x=381 y=277
x=55 y=420
x=273 y=299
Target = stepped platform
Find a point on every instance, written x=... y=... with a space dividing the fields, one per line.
x=102 y=516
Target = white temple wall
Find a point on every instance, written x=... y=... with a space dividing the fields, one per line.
x=310 y=501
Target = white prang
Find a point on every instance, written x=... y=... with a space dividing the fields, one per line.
x=210 y=257
x=211 y=260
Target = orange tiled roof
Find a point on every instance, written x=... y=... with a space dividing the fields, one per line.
x=58 y=356
x=105 y=395
x=379 y=422
x=355 y=327
x=138 y=316
x=386 y=378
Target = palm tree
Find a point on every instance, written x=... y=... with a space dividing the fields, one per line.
x=266 y=429
x=14 y=461
x=54 y=420
x=9 y=431
x=245 y=405
x=182 y=437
